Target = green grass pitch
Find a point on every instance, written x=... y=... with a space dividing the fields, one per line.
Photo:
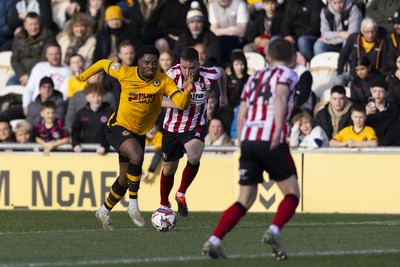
x=65 y=238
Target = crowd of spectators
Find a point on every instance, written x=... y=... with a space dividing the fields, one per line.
x=46 y=61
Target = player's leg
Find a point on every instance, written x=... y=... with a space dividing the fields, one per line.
x=229 y=219
x=167 y=181
x=281 y=168
x=117 y=191
x=194 y=145
x=133 y=149
x=250 y=176
x=172 y=150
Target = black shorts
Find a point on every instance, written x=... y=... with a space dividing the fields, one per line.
x=255 y=158
x=173 y=144
x=116 y=135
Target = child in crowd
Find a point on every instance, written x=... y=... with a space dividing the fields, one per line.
x=166 y=60
x=6 y=135
x=76 y=61
x=90 y=121
x=50 y=131
x=393 y=81
x=23 y=132
x=356 y=135
x=153 y=137
x=304 y=134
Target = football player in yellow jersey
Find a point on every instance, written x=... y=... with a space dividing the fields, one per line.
x=142 y=91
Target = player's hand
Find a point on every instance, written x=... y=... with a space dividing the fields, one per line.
x=188 y=82
x=77 y=148
x=223 y=100
x=274 y=141
x=100 y=150
x=145 y=177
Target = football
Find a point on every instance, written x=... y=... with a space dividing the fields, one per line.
x=163 y=219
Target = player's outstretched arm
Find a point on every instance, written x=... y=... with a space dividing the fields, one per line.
x=101 y=65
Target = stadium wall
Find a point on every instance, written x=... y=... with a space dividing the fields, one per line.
x=330 y=181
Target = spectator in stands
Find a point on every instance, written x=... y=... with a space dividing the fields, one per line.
x=304 y=98
x=127 y=57
x=234 y=86
x=46 y=93
x=267 y=23
x=356 y=135
x=114 y=32
x=22 y=8
x=339 y=19
x=28 y=48
x=395 y=36
x=75 y=63
x=23 y=132
x=197 y=31
x=301 y=25
x=50 y=132
x=380 y=10
x=382 y=115
x=174 y=26
x=52 y=68
x=153 y=137
x=166 y=60
x=304 y=133
x=394 y=82
x=204 y=58
x=78 y=101
x=217 y=135
x=372 y=43
x=6 y=34
x=6 y=135
x=145 y=27
x=229 y=20
x=335 y=115
x=77 y=39
x=90 y=121
x=360 y=88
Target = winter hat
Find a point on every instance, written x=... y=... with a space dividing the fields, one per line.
x=46 y=80
x=114 y=12
x=396 y=17
x=194 y=13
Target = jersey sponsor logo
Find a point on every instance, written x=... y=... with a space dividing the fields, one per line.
x=142 y=97
x=156 y=83
x=198 y=97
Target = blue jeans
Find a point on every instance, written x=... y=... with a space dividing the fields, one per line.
x=305 y=45
x=14 y=80
x=320 y=47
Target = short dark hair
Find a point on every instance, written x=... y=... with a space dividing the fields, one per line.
x=281 y=50
x=380 y=83
x=338 y=89
x=358 y=108
x=48 y=104
x=190 y=54
x=147 y=49
x=363 y=61
x=32 y=15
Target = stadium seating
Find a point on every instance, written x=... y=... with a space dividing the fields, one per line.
x=323 y=70
x=6 y=71
x=58 y=8
x=12 y=89
x=255 y=61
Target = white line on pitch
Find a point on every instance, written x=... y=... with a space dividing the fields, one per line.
x=196 y=258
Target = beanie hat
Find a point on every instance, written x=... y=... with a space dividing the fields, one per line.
x=396 y=17
x=114 y=12
x=46 y=80
x=194 y=13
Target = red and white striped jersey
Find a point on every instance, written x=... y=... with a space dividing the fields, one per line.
x=259 y=93
x=179 y=121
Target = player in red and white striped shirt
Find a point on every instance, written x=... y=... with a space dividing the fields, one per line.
x=261 y=124
x=184 y=131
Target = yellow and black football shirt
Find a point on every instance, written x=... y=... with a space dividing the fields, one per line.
x=140 y=100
